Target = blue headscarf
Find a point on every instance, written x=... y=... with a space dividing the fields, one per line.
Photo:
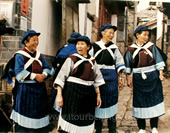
x=140 y=28
x=70 y=48
x=106 y=26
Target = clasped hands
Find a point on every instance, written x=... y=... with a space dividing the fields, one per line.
x=40 y=77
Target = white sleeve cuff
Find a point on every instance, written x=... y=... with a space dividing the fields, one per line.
x=32 y=77
x=162 y=68
x=45 y=74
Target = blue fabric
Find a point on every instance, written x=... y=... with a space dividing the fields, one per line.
x=75 y=34
x=84 y=38
x=106 y=26
x=140 y=28
x=73 y=37
x=21 y=75
x=148 y=92
x=105 y=113
x=156 y=54
x=67 y=51
x=109 y=91
x=31 y=100
x=10 y=75
x=19 y=63
x=29 y=33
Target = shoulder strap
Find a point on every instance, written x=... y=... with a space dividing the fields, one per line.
x=82 y=60
x=138 y=48
x=103 y=47
x=30 y=61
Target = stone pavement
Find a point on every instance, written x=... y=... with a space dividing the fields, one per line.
x=126 y=123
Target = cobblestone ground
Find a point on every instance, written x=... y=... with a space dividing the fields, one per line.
x=126 y=123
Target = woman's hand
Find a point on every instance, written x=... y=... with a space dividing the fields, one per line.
x=129 y=81
x=161 y=76
x=39 y=78
x=99 y=101
x=59 y=96
x=120 y=82
x=43 y=76
x=60 y=100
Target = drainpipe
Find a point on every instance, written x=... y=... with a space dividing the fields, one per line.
x=85 y=23
x=126 y=27
x=63 y=22
x=0 y=44
x=135 y=19
x=163 y=33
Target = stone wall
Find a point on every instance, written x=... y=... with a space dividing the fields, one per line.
x=10 y=43
x=94 y=29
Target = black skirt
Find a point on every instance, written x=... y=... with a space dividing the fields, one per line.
x=79 y=104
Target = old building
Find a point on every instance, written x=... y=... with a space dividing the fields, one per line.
x=56 y=19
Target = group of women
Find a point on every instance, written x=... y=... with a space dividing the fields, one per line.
x=87 y=83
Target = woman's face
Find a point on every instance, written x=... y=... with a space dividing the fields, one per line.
x=143 y=37
x=32 y=44
x=108 y=35
x=82 y=48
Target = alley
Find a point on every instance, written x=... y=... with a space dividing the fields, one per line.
x=127 y=124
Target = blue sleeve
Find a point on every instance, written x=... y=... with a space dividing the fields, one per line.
x=120 y=65
x=45 y=66
x=128 y=62
x=19 y=63
x=20 y=72
x=158 y=58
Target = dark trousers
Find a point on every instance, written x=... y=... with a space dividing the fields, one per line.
x=142 y=123
x=111 y=125
x=20 y=129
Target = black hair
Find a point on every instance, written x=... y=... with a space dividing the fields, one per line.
x=28 y=39
x=140 y=32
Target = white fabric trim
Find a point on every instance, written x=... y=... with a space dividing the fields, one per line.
x=99 y=83
x=22 y=75
x=120 y=68
x=22 y=80
x=33 y=75
x=71 y=128
x=146 y=46
x=80 y=81
x=160 y=65
x=103 y=47
x=82 y=60
x=55 y=106
x=127 y=70
x=30 y=61
x=105 y=113
x=149 y=112
x=45 y=74
x=103 y=66
x=59 y=82
x=144 y=69
x=29 y=122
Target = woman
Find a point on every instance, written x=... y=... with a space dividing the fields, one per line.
x=78 y=93
x=111 y=64
x=30 y=98
x=144 y=60
x=64 y=52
